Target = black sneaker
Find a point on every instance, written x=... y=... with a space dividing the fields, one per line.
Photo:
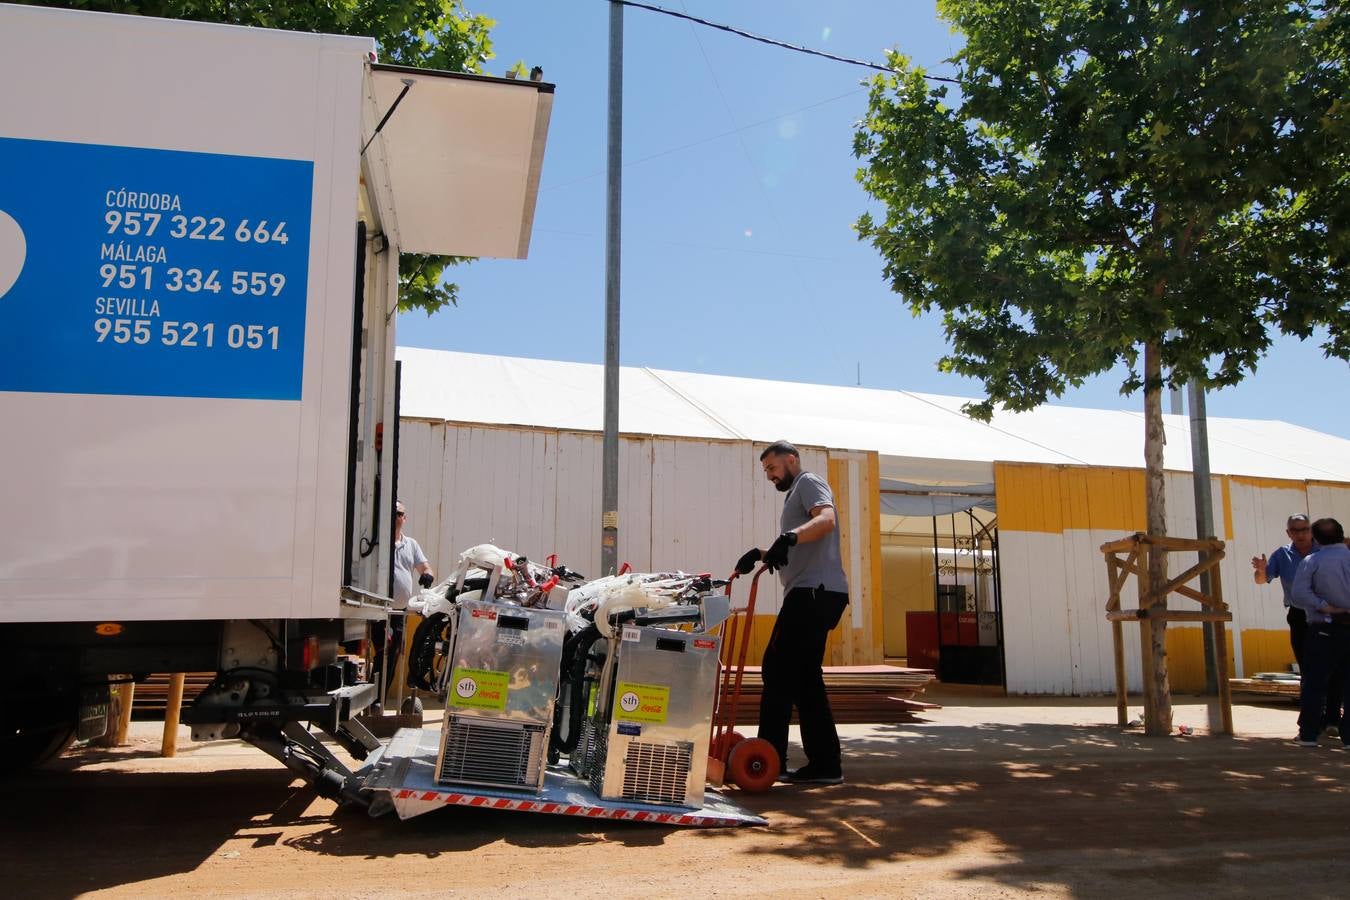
x=809 y=774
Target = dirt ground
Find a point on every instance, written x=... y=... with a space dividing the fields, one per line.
x=990 y=797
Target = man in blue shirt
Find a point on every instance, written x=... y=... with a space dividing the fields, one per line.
x=1322 y=591
x=1282 y=564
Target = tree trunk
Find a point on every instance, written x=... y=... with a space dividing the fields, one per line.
x=1155 y=502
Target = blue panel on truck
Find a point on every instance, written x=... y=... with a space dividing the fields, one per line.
x=152 y=272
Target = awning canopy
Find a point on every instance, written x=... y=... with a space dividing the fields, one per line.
x=902 y=498
x=463 y=155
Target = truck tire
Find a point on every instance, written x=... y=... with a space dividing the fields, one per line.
x=30 y=749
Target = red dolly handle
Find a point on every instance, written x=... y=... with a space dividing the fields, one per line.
x=725 y=720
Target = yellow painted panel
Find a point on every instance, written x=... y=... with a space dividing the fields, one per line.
x=1079 y=505
x=839 y=647
x=1266 y=650
x=908 y=582
x=1285 y=484
x=1136 y=491
x=877 y=652
x=1186 y=660
x=1012 y=512
x=1227 y=489
x=1017 y=510
x=760 y=630
x=763 y=630
x=1055 y=499
x=1051 y=503
x=1186 y=657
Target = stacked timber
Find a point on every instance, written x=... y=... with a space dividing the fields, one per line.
x=858 y=694
x=1271 y=685
x=151 y=694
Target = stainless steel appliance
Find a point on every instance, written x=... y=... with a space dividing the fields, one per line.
x=649 y=734
x=501 y=689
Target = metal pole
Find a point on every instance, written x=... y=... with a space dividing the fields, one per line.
x=1204 y=517
x=1174 y=392
x=609 y=524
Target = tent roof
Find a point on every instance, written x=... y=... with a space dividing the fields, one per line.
x=920 y=437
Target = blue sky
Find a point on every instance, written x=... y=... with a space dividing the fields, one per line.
x=738 y=197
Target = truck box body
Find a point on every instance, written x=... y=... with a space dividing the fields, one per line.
x=195 y=414
x=178 y=425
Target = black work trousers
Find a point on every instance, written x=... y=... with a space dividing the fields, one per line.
x=1298 y=636
x=793 y=677
x=1326 y=656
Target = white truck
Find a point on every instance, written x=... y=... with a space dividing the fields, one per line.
x=200 y=229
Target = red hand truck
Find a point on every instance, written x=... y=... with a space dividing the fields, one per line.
x=752 y=764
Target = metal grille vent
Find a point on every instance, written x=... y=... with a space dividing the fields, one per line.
x=503 y=754
x=580 y=760
x=657 y=773
x=595 y=761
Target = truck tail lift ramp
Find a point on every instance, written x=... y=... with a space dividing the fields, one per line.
x=627 y=674
x=403 y=780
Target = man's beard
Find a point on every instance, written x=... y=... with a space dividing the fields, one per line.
x=784 y=483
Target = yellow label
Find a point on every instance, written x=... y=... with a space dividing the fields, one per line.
x=478 y=689
x=641 y=702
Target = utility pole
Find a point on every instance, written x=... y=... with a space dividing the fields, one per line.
x=1204 y=518
x=609 y=505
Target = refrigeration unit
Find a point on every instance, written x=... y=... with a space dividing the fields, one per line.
x=647 y=740
x=501 y=689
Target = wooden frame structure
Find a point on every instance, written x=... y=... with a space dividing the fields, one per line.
x=1153 y=608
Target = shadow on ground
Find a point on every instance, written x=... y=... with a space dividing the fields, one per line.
x=1062 y=807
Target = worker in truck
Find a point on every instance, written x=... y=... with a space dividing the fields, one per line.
x=815 y=592
x=409 y=561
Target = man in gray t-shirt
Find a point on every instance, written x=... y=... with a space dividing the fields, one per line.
x=815 y=592
x=410 y=568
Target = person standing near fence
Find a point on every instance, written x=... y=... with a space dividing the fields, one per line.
x=1322 y=590
x=1283 y=564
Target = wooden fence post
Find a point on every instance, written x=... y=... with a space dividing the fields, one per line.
x=126 y=695
x=173 y=706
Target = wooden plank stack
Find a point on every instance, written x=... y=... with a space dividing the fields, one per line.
x=1270 y=685
x=858 y=694
x=151 y=694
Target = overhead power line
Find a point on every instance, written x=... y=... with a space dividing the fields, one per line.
x=707 y=140
x=771 y=41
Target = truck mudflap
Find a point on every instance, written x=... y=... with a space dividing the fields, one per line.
x=402 y=780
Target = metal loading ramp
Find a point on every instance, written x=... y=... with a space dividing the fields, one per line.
x=403 y=780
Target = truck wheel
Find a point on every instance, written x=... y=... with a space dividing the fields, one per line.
x=26 y=750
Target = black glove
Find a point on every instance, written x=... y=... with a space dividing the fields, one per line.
x=746 y=564
x=426 y=579
x=777 y=555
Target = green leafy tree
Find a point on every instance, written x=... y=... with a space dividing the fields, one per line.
x=438 y=34
x=1161 y=183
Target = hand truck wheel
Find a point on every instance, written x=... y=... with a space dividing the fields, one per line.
x=753 y=765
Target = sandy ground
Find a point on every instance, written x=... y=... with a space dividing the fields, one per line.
x=990 y=797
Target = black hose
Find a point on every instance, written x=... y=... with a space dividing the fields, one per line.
x=422 y=656
x=572 y=681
